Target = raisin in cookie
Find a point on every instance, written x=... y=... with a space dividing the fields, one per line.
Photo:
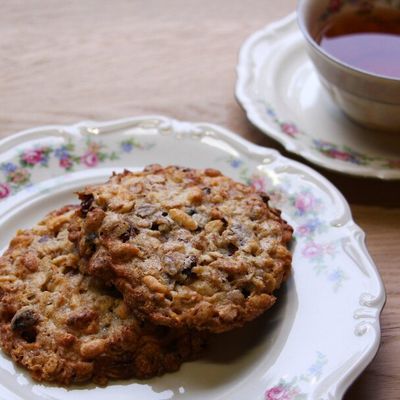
x=185 y=247
x=67 y=328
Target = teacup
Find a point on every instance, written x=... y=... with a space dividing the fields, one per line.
x=367 y=98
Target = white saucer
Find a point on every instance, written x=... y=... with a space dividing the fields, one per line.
x=280 y=91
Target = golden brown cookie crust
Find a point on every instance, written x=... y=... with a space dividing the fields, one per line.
x=185 y=247
x=67 y=328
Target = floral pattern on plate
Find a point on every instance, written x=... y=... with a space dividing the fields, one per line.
x=291 y=389
x=18 y=172
x=16 y=176
x=328 y=149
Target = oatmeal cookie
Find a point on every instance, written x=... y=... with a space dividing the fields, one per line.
x=185 y=247
x=67 y=328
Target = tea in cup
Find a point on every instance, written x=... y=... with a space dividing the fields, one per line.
x=355 y=47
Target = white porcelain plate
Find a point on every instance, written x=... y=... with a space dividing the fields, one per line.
x=280 y=91
x=322 y=332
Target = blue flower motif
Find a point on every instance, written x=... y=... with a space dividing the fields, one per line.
x=8 y=167
x=271 y=112
x=236 y=162
x=336 y=276
x=321 y=145
x=315 y=370
x=45 y=160
x=309 y=227
x=61 y=152
x=126 y=147
x=353 y=159
x=314 y=224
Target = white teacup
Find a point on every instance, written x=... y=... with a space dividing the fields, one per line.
x=369 y=99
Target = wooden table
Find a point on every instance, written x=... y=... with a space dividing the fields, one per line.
x=65 y=61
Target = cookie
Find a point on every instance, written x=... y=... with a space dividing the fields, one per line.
x=185 y=247
x=66 y=328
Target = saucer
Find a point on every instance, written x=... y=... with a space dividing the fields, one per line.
x=280 y=91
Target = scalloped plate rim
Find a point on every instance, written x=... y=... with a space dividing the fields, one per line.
x=74 y=130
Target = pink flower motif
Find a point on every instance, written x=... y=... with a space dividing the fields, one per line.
x=330 y=249
x=258 y=183
x=304 y=202
x=33 y=156
x=308 y=228
x=303 y=230
x=4 y=190
x=65 y=163
x=340 y=155
x=289 y=129
x=90 y=159
x=312 y=250
x=277 y=393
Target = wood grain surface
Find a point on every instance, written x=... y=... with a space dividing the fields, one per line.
x=65 y=61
